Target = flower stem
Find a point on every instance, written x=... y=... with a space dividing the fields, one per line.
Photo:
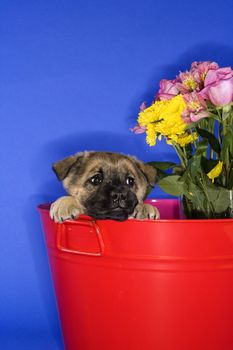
x=211 y=207
x=181 y=154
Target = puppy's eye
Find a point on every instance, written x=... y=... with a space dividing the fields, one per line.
x=130 y=181
x=96 y=179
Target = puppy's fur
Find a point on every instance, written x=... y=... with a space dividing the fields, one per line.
x=104 y=185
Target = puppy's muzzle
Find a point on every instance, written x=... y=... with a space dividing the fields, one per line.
x=118 y=198
x=113 y=203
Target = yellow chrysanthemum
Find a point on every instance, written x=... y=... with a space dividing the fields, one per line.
x=151 y=134
x=185 y=139
x=165 y=118
x=152 y=114
x=216 y=171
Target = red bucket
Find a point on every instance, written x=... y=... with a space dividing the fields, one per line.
x=143 y=285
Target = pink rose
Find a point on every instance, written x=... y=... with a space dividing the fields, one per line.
x=218 y=86
x=168 y=89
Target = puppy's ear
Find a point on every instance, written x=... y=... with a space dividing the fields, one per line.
x=62 y=167
x=149 y=172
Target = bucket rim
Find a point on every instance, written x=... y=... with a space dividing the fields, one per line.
x=44 y=207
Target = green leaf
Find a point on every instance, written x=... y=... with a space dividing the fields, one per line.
x=227 y=145
x=189 y=151
x=194 y=167
x=172 y=185
x=178 y=170
x=203 y=123
x=162 y=165
x=213 y=141
x=202 y=147
x=230 y=182
x=196 y=195
x=215 y=116
x=219 y=197
x=160 y=174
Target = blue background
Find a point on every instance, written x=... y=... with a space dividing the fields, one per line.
x=72 y=77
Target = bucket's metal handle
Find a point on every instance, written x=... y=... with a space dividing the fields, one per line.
x=62 y=230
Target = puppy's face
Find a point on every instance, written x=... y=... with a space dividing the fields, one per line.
x=107 y=185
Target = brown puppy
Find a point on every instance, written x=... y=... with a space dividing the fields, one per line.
x=104 y=185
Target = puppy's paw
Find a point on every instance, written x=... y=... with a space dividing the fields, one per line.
x=145 y=211
x=65 y=208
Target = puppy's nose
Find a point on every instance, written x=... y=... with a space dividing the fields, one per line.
x=117 y=196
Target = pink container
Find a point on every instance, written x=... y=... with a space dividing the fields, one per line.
x=143 y=285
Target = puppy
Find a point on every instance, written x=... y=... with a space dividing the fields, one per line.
x=104 y=185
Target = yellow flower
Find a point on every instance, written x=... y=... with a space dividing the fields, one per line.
x=185 y=139
x=164 y=118
x=151 y=134
x=216 y=171
x=152 y=114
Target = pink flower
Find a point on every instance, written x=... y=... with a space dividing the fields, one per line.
x=196 y=108
x=194 y=101
x=204 y=66
x=193 y=80
x=186 y=82
x=138 y=129
x=200 y=69
x=143 y=106
x=218 y=86
x=195 y=117
x=214 y=76
x=168 y=89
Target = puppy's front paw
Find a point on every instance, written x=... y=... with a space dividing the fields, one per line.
x=65 y=208
x=145 y=211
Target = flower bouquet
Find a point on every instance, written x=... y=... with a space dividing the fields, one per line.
x=194 y=113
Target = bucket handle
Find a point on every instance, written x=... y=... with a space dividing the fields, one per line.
x=62 y=231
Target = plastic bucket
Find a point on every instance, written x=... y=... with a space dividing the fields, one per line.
x=143 y=285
